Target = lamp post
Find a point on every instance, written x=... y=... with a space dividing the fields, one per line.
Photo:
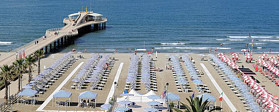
x=167 y=84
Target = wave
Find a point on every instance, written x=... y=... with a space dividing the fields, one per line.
x=262 y=36
x=258 y=43
x=236 y=39
x=112 y=50
x=244 y=37
x=267 y=40
x=193 y=48
x=177 y=43
x=5 y=43
x=221 y=39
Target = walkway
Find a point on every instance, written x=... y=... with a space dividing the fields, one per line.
x=227 y=100
x=112 y=90
x=59 y=87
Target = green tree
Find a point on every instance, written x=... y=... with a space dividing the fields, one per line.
x=18 y=69
x=29 y=62
x=6 y=75
x=196 y=105
x=39 y=54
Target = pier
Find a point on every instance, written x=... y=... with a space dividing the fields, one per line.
x=75 y=25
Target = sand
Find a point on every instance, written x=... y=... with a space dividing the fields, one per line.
x=162 y=78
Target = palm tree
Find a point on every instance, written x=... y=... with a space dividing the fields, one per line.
x=197 y=105
x=6 y=76
x=39 y=54
x=18 y=68
x=29 y=61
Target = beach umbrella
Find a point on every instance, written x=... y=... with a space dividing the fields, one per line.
x=198 y=82
x=207 y=97
x=153 y=97
x=195 y=77
x=27 y=87
x=124 y=102
x=243 y=50
x=122 y=109
x=105 y=106
x=151 y=109
x=153 y=103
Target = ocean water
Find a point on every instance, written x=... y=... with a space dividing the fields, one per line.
x=162 y=25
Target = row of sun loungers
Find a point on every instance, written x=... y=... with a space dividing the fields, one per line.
x=131 y=81
x=44 y=80
x=195 y=75
x=181 y=81
x=94 y=73
x=148 y=77
x=239 y=88
x=51 y=74
x=141 y=71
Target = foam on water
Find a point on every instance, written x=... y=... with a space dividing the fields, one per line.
x=268 y=40
x=259 y=47
x=193 y=48
x=261 y=36
x=236 y=39
x=5 y=43
x=221 y=39
x=258 y=43
x=178 y=43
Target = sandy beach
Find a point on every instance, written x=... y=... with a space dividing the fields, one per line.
x=162 y=78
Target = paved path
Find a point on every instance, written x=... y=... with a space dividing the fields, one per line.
x=58 y=88
x=227 y=100
x=112 y=90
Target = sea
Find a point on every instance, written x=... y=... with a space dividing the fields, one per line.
x=162 y=25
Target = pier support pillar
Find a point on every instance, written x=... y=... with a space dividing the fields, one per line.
x=58 y=43
x=46 y=50
x=50 y=48
x=62 y=43
x=96 y=27
x=54 y=45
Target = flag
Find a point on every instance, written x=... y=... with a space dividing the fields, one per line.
x=193 y=95
x=163 y=95
x=221 y=96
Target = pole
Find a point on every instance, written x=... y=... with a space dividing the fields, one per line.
x=221 y=105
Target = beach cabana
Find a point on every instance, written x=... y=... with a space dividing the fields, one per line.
x=28 y=93
x=63 y=94
x=88 y=95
